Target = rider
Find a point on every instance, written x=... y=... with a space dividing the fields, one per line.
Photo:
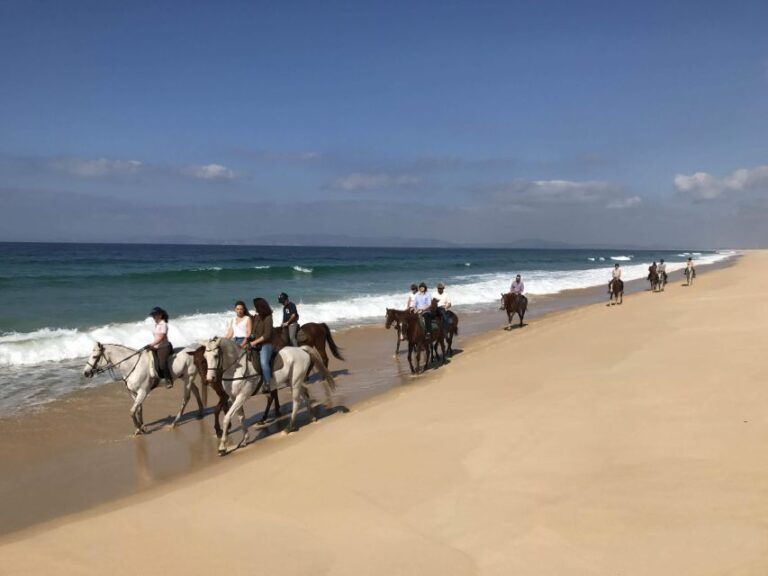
x=290 y=323
x=260 y=340
x=652 y=269
x=241 y=324
x=422 y=302
x=517 y=286
x=161 y=346
x=615 y=276
x=409 y=303
x=690 y=269
x=662 y=271
x=443 y=303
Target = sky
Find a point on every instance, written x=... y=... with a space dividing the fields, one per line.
x=590 y=123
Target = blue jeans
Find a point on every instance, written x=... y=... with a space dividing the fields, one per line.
x=238 y=340
x=265 y=355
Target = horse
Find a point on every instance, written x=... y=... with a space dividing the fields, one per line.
x=616 y=291
x=234 y=369
x=448 y=331
x=137 y=370
x=662 y=281
x=396 y=317
x=313 y=334
x=514 y=303
x=690 y=274
x=654 y=279
x=416 y=335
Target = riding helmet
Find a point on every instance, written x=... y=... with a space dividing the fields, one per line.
x=282 y=298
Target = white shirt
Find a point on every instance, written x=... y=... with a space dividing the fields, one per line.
x=617 y=273
x=410 y=300
x=161 y=328
x=442 y=299
x=240 y=329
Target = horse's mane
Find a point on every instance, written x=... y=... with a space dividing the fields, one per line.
x=120 y=346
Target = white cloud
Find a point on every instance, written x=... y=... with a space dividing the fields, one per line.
x=705 y=186
x=528 y=194
x=98 y=167
x=358 y=181
x=623 y=203
x=209 y=172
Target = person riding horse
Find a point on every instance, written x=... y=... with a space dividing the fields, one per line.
x=290 y=323
x=422 y=302
x=443 y=304
x=161 y=347
x=661 y=269
x=615 y=276
x=652 y=271
x=260 y=341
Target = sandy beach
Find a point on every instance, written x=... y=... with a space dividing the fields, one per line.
x=598 y=440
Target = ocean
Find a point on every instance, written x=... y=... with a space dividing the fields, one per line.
x=56 y=300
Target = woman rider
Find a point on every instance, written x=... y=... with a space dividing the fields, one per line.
x=261 y=341
x=241 y=325
x=161 y=346
x=422 y=302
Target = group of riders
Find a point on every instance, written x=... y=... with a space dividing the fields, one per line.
x=253 y=333
x=420 y=302
x=657 y=273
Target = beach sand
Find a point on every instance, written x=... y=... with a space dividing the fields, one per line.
x=600 y=440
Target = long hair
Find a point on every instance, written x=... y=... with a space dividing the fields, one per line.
x=262 y=307
x=241 y=303
x=157 y=311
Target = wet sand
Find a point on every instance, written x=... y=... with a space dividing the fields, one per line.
x=78 y=452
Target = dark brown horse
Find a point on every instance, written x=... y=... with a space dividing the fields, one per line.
x=615 y=291
x=514 y=304
x=416 y=334
x=653 y=278
x=311 y=334
x=396 y=317
x=448 y=331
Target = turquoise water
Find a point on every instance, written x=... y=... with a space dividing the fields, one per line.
x=57 y=299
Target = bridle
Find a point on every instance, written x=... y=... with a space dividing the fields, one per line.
x=110 y=367
x=220 y=370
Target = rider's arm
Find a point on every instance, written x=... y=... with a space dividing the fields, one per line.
x=230 y=330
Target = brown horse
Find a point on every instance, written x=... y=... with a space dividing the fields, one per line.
x=615 y=292
x=450 y=331
x=396 y=317
x=514 y=304
x=418 y=340
x=653 y=278
x=311 y=334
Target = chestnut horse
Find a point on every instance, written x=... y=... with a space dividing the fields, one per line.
x=514 y=304
x=450 y=331
x=396 y=317
x=615 y=291
x=416 y=335
x=311 y=334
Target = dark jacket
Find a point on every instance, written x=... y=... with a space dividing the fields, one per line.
x=262 y=327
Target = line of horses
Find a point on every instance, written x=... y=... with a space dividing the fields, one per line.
x=229 y=370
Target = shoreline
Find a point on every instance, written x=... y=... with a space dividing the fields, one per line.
x=91 y=427
x=637 y=452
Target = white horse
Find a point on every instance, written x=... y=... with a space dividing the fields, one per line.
x=136 y=368
x=231 y=366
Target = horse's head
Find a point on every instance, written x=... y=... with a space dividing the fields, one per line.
x=433 y=305
x=212 y=357
x=390 y=318
x=97 y=354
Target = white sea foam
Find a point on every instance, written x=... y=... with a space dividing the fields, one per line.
x=50 y=344
x=602 y=258
x=622 y=258
x=262 y=267
x=591 y=259
x=303 y=270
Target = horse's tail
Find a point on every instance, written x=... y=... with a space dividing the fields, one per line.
x=335 y=350
x=320 y=365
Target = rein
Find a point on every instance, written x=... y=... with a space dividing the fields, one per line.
x=110 y=367
x=220 y=371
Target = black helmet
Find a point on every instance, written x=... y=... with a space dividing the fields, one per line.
x=422 y=285
x=282 y=298
x=414 y=287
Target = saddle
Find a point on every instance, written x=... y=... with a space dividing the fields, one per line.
x=275 y=362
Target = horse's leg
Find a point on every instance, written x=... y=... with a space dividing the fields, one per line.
x=198 y=399
x=273 y=395
x=266 y=410
x=397 y=346
x=236 y=406
x=136 y=410
x=410 y=353
x=296 y=399
x=184 y=401
x=308 y=401
x=246 y=436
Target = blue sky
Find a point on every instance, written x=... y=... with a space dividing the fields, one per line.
x=469 y=121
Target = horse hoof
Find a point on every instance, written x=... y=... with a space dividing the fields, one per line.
x=222 y=451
